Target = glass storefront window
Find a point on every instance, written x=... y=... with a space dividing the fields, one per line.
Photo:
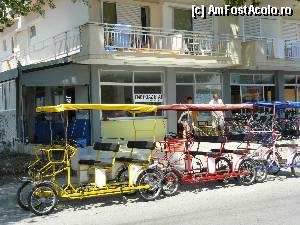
x=185 y=78
x=291 y=89
x=199 y=86
x=116 y=76
x=290 y=79
x=290 y=93
x=40 y=99
x=120 y=87
x=208 y=78
x=147 y=77
x=116 y=94
x=252 y=94
x=263 y=79
x=235 y=94
x=204 y=93
x=252 y=87
x=269 y=93
x=182 y=92
x=241 y=79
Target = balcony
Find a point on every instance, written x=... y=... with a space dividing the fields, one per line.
x=118 y=44
x=273 y=54
x=56 y=47
x=292 y=49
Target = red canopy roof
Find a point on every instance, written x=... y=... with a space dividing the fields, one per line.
x=204 y=107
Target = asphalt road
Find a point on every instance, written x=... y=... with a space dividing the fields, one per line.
x=276 y=201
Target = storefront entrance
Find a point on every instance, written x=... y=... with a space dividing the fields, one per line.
x=41 y=127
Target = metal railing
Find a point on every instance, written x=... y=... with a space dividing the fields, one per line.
x=292 y=49
x=59 y=46
x=56 y=47
x=267 y=44
x=119 y=37
x=8 y=63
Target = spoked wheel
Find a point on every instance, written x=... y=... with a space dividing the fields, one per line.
x=272 y=165
x=23 y=193
x=295 y=169
x=122 y=176
x=247 y=166
x=170 y=183
x=261 y=171
x=223 y=166
x=42 y=199
x=150 y=178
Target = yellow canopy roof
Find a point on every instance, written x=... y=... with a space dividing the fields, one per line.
x=133 y=108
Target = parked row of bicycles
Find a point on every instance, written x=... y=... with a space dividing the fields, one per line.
x=151 y=168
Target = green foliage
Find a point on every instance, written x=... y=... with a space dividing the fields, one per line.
x=11 y=9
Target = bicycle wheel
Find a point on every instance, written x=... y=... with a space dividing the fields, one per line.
x=170 y=183
x=223 y=166
x=150 y=178
x=295 y=169
x=261 y=171
x=248 y=166
x=42 y=199
x=122 y=176
x=272 y=166
x=23 y=193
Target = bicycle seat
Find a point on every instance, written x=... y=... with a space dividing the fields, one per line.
x=195 y=153
x=131 y=160
x=223 y=151
x=103 y=164
x=89 y=162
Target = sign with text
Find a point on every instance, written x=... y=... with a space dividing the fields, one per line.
x=139 y=98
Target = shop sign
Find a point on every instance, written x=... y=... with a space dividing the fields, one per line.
x=139 y=98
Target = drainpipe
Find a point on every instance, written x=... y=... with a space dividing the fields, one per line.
x=20 y=105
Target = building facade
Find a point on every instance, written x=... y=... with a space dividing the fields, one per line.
x=149 y=51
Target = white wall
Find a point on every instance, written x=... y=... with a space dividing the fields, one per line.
x=64 y=17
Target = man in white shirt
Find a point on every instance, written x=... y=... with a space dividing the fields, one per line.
x=217 y=116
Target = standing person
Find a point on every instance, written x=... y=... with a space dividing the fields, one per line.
x=217 y=116
x=187 y=118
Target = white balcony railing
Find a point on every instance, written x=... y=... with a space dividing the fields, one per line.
x=58 y=46
x=292 y=49
x=146 y=40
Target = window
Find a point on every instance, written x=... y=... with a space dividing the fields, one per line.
x=32 y=32
x=200 y=86
x=40 y=99
x=8 y=95
x=252 y=87
x=182 y=19
x=292 y=88
x=12 y=45
x=109 y=13
x=4 y=45
x=121 y=87
x=145 y=16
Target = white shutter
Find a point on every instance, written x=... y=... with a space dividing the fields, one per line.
x=204 y=25
x=289 y=30
x=129 y=14
x=252 y=27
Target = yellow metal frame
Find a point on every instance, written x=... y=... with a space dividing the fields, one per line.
x=52 y=168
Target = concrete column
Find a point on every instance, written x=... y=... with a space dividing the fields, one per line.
x=95 y=11
x=95 y=98
x=92 y=40
x=170 y=95
x=226 y=87
x=279 y=85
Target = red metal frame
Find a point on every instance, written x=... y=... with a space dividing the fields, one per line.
x=168 y=146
